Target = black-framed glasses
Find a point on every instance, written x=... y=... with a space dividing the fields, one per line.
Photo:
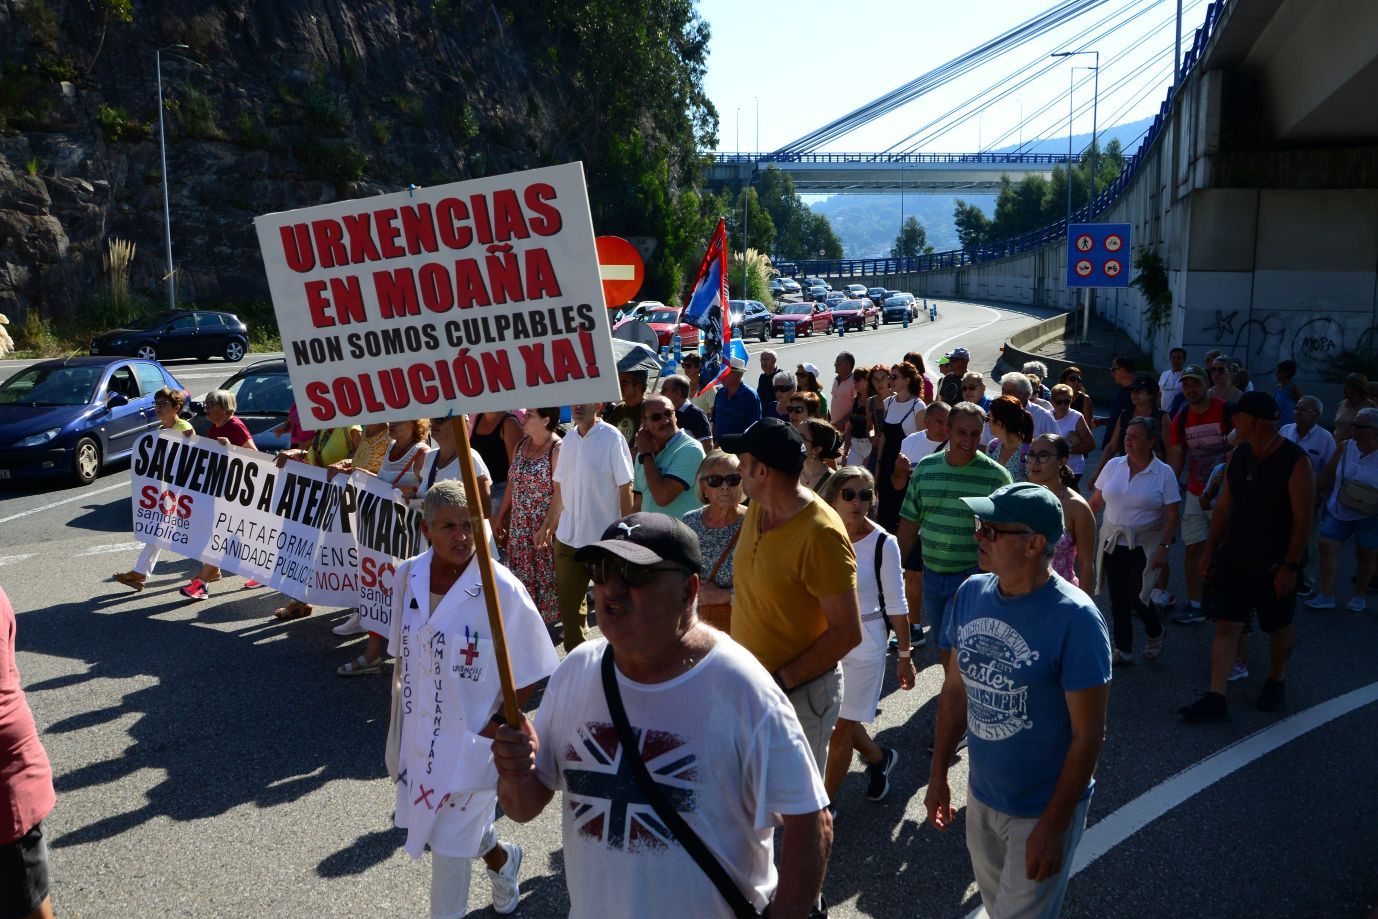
x=1062 y=402
x=656 y=417
x=796 y=409
x=718 y=481
x=990 y=533
x=784 y=389
x=1074 y=378
x=1042 y=456
x=867 y=495
x=163 y=403
x=604 y=569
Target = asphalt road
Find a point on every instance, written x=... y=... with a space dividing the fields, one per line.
x=209 y=763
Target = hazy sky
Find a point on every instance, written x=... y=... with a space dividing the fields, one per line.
x=810 y=61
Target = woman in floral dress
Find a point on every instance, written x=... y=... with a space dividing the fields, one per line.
x=524 y=507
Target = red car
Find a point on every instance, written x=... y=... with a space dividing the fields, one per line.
x=807 y=318
x=665 y=322
x=856 y=314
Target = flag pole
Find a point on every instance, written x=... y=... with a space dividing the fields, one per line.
x=501 y=659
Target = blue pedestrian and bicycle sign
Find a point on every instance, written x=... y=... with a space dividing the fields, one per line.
x=1098 y=255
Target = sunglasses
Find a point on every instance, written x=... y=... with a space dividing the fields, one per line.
x=894 y=377
x=1062 y=402
x=163 y=403
x=784 y=389
x=608 y=567
x=989 y=533
x=1042 y=456
x=851 y=494
x=718 y=481
x=654 y=417
x=796 y=409
x=1074 y=378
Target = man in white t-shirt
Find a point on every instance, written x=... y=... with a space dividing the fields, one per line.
x=1019 y=386
x=592 y=488
x=719 y=740
x=1319 y=445
x=1170 y=381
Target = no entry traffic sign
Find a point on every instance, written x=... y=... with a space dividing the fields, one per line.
x=620 y=268
x=1095 y=255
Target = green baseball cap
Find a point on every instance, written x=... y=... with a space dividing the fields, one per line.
x=1023 y=503
x=1194 y=372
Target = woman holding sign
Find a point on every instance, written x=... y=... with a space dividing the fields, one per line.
x=167 y=403
x=401 y=469
x=230 y=431
x=447 y=704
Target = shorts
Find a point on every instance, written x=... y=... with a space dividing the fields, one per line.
x=1240 y=591
x=1364 y=530
x=24 y=873
x=914 y=560
x=863 y=673
x=816 y=704
x=1196 y=520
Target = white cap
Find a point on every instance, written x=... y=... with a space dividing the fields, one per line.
x=738 y=364
x=811 y=368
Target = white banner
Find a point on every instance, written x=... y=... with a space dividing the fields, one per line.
x=468 y=297
x=334 y=541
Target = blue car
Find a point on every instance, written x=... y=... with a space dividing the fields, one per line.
x=66 y=418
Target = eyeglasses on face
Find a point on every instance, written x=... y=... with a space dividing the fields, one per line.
x=971 y=385
x=1042 y=456
x=718 y=481
x=785 y=388
x=163 y=403
x=1062 y=402
x=1074 y=378
x=796 y=410
x=851 y=494
x=656 y=417
x=603 y=570
x=990 y=533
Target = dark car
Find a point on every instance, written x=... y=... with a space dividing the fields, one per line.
x=834 y=297
x=263 y=397
x=815 y=282
x=817 y=293
x=877 y=295
x=750 y=319
x=897 y=305
x=70 y=416
x=202 y=334
x=856 y=314
x=807 y=318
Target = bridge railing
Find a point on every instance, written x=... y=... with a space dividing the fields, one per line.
x=1046 y=235
x=900 y=159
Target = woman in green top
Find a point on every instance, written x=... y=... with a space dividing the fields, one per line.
x=167 y=403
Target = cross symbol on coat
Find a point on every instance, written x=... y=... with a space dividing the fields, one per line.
x=470 y=653
x=425 y=796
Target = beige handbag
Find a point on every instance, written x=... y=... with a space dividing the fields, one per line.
x=1358 y=497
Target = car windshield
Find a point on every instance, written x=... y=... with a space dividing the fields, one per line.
x=150 y=321
x=261 y=393
x=796 y=308
x=663 y=316
x=52 y=386
x=876 y=291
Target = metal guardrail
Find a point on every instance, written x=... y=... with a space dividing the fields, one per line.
x=900 y=159
x=1043 y=236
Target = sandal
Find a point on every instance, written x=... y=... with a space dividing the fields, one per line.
x=360 y=666
x=294 y=610
x=131 y=579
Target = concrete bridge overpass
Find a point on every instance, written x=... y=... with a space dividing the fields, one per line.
x=873 y=173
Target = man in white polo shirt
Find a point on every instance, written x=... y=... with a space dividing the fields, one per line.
x=1170 y=381
x=593 y=487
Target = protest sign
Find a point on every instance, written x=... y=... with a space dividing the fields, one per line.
x=333 y=541
x=467 y=297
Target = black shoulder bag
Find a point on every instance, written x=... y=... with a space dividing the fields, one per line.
x=684 y=833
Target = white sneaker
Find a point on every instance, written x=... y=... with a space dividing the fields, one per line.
x=1356 y=605
x=351 y=626
x=1321 y=601
x=506 y=890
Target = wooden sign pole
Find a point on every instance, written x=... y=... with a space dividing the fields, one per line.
x=477 y=514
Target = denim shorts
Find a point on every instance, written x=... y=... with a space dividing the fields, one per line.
x=1364 y=530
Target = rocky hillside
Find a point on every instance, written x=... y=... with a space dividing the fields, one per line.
x=275 y=105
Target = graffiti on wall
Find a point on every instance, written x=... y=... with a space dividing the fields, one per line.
x=1313 y=335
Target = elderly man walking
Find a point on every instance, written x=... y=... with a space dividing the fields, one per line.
x=794 y=601
x=1260 y=524
x=736 y=406
x=1028 y=680
x=676 y=754
x=688 y=416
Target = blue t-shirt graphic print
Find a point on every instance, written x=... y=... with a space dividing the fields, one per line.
x=1018 y=657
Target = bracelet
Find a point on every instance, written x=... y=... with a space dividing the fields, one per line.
x=906 y=655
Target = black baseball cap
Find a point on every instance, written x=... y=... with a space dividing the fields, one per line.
x=1259 y=404
x=772 y=441
x=959 y=354
x=648 y=539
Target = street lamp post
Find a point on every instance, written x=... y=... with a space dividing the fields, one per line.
x=1091 y=191
x=162 y=149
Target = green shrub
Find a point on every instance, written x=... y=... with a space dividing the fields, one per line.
x=43 y=24
x=379 y=129
x=463 y=123
x=196 y=116
x=323 y=108
x=412 y=108
x=252 y=133
x=339 y=163
x=31 y=167
x=58 y=68
x=117 y=125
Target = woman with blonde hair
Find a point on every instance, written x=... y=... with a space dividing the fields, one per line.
x=717 y=524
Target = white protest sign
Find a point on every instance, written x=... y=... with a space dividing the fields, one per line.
x=467 y=297
x=320 y=540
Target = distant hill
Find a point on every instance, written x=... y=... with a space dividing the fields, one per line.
x=868 y=224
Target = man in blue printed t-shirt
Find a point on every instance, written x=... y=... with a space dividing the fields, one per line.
x=1028 y=682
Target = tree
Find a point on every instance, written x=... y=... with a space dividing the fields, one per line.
x=911 y=239
x=973 y=226
x=760 y=226
x=1019 y=206
x=818 y=240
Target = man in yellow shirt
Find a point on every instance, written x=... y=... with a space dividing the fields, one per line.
x=794 y=600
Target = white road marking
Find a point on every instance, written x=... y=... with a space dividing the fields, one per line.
x=112 y=547
x=13 y=559
x=928 y=355
x=1164 y=797
x=86 y=493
